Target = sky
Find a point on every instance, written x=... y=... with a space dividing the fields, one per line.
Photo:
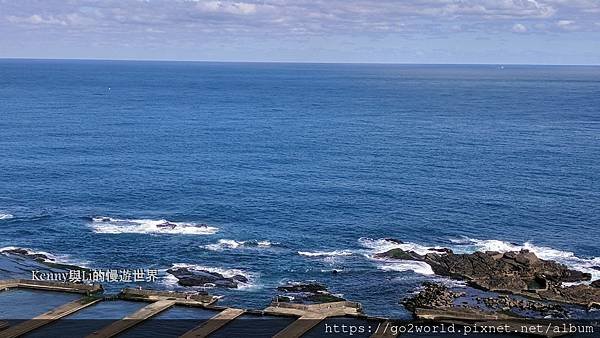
x=362 y=31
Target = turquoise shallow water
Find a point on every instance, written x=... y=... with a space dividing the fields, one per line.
x=297 y=169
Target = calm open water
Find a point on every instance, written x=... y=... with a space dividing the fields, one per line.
x=298 y=169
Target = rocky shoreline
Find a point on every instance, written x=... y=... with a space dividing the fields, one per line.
x=517 y=284
x=525 y=286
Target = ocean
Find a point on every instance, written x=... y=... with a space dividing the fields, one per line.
x=297 y=170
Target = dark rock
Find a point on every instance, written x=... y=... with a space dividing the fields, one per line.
x=441 y=250
x=190 y=277
x=167 y=224
x=518 y=272
x=400 y=254
x=27 y=254
x=284 y=299
x=303 y=287
x=308 y=293
x=584 y=295
x=324 y=297
x=394 y=240
x=506 y=303
x=240 y=278
x=431 y=297
x=595 y=284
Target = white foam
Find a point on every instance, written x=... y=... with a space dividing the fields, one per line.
x=227 y=273
x=51 y=258
x=230 y=244
x=109 y=225
x=383 y=245
x=421 y=268
x=6 y=216
x=567 y=258
x=335 y=253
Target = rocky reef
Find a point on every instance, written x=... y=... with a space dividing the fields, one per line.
x=436 y=301
x=432 y=296
x=306 y=293
x=204 y=278
x=44 y=261
x=518 y=272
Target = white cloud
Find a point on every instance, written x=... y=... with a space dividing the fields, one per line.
x=566 y=24
x=238 y=8
x=309 y=17
x=519 y=28
x=36 y=19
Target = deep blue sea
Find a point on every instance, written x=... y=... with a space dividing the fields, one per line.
x=298 y=169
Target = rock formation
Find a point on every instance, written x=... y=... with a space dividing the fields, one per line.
x=203 y=278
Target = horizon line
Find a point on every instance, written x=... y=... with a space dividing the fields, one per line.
x=302 y=62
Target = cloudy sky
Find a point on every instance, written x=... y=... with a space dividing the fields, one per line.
x=402 y=31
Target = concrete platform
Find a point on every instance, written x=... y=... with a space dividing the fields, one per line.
x=328 y=309
x=213 y=324
x=310 y=315
x=180 y=298
x=301 y=326
x=50 y=286
x=47 y=318
x=133 y=319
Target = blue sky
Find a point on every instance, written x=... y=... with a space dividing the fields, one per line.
x=396 y=31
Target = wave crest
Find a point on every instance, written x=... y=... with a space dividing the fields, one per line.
x=171 y=280
x=109 y=225
x=334 y=253
x=470 y=245
x=230 y=244
x=568 y=258
x=4 y=216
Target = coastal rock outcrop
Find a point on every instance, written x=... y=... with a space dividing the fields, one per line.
x=517 y=272
x=44 y=260
x=440 y=301
x=432 y=296
x=306 y=293
x=39 y=257
x=506 y=303
x=203 y=278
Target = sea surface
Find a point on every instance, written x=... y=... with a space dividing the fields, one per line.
x=286 y=172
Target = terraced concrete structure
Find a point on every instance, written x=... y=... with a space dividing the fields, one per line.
x=303 y=318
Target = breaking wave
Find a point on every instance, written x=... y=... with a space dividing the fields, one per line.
x=6 y=216
x=171 y=280
x=230 y=244
x=47 y=257
x=382 y=245
x=421 y=268
x=334 y=253
x=109 y=225
x=470 y=245
x=567 y=258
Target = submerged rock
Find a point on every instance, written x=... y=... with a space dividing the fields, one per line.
x=310 y=287
x=544 y=309
x=27 y=254
x=394 y=240
x=167 y=225
x=307 y=293
x=438 y=299
x=203 y=278
x=431 y=297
